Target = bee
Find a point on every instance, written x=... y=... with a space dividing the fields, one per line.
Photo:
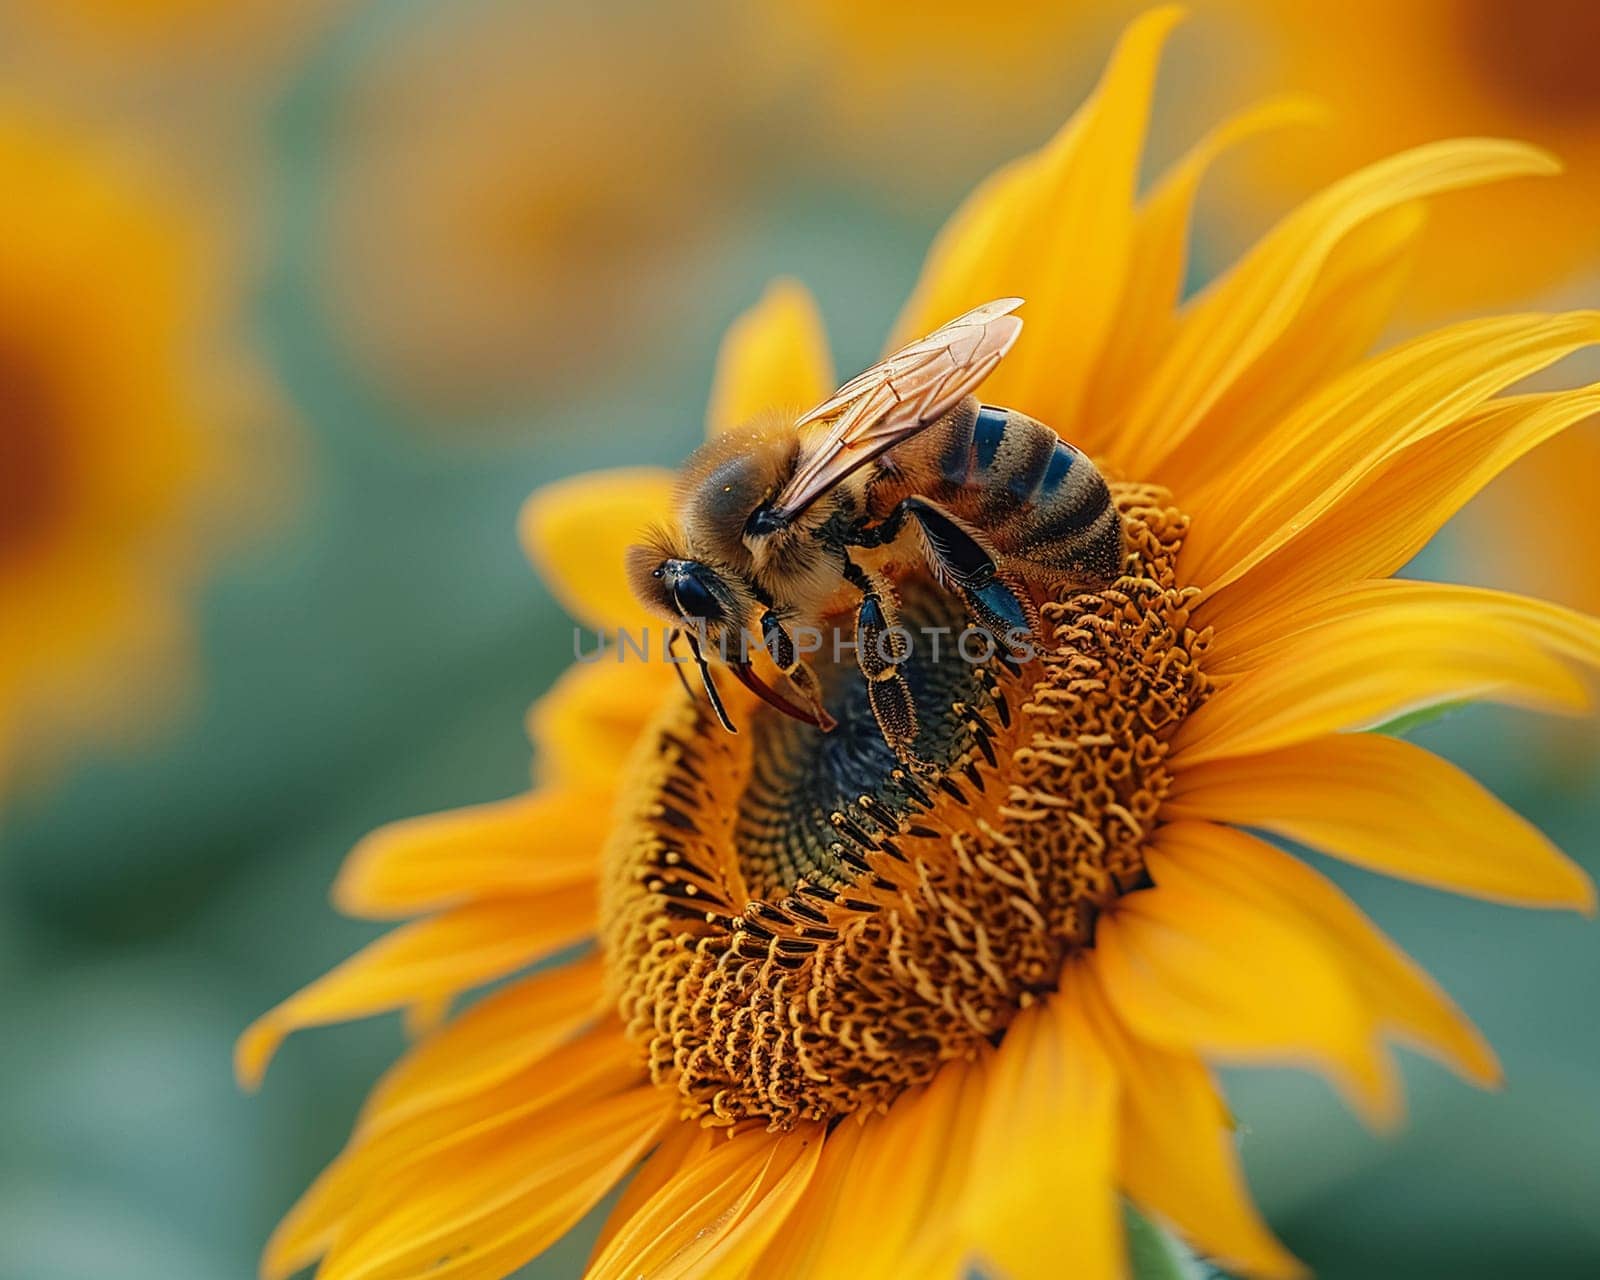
x=786 y=523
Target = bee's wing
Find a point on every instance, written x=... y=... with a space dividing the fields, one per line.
x=899 y=396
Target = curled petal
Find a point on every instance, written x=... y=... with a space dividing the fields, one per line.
x=1554 y=629
x=682 y=1146
x=503 y=1033
x=1390 y=514
x=1344 y=315
x=1402 y=997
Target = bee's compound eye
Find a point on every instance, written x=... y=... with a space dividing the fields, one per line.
x=695 y=598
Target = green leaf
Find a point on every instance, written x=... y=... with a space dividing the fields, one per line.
x=1155 y=1254
x=1402 y=725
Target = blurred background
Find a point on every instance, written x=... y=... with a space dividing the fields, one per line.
x=300 y=298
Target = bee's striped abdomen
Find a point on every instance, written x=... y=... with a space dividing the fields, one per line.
x=1003 y=457
x=1042 y=503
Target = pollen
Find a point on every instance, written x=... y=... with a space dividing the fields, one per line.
x=798 y=926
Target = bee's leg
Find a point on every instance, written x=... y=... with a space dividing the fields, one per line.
x=958 y=558
x=786 y=657
x=882 y=648
x=882 y=533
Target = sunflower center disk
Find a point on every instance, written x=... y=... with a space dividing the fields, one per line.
x=29 y=450
x=796 y=927
x=1538 y=58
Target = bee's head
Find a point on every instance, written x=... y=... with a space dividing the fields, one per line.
x=691 y=592
x=710 y=606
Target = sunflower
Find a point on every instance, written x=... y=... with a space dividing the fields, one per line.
x=107 y=455
x=839 y=1018
x=1398 y=74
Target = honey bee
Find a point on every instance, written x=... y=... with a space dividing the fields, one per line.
x=778 y=522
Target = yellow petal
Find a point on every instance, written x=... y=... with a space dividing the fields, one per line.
x=1147 y=311
x=590 y=720
x=596 y=1065
x=1344 y=314
x=891 y=1193
x=1176 y=1151
x=1553 y=628
x=1390 y=806
x=1386 y=518
x=774 y=356
x=1306 y=464
x=521 y=846
x=833 y=1193
x=496 y=1201
x=1550 y=628
x=1055 y=228
x=1238 y=320
x=720 y=1213
x=1368 y=667
x=1403 y=998
x=683 y=1145
x=1041 y=1195
x=1195 y=970
x=576 y=532
x=503 y=1033
x=450 y=952
x=426 y=1016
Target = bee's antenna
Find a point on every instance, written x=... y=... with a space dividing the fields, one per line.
x=672 y=653
x=705 y=676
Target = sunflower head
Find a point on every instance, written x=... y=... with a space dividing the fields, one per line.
x=110 y=462
x=850 y=1015
x=842 y=925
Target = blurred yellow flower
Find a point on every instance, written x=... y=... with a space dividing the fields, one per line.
x=189 y=82
x=1395 y=74
x=1398 y=74
x=849 y=1020
x=913 y=96
x=1539 y=524
x=493 y=244
x=107 y=455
